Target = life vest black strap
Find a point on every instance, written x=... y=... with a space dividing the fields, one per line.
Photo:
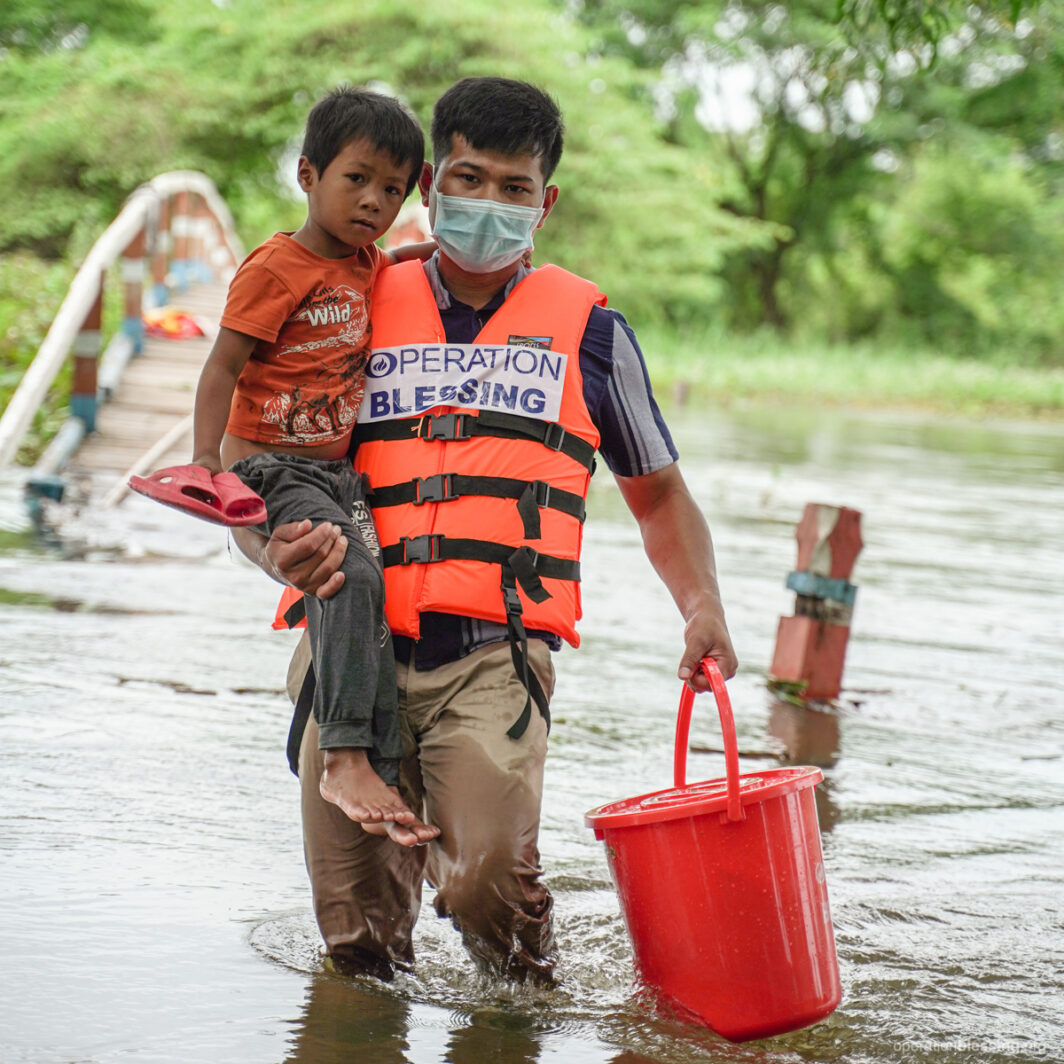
x=518 y=639
x=458 y=425
x=300 y=715
x=522 y=567
x=437 y=548
x=531 y=495
x=295 y=613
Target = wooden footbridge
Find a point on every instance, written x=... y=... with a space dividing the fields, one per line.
x=172 y=245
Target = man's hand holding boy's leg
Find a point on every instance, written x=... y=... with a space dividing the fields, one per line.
x=308 y=558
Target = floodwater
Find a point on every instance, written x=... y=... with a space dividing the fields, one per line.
x=154 y=898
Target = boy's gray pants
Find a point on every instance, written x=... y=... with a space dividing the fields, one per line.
x=355 y=700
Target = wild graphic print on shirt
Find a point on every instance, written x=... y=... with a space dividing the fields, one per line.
x=309 y=315
x=325 y=358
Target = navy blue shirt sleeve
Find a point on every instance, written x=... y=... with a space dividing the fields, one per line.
x=635 y=438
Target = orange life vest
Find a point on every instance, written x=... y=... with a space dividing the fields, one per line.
x=459 y=495
x=479 y=507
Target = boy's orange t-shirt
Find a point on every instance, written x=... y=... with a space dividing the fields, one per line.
x=304 y=381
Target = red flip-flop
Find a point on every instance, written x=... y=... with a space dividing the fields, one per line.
x=223 y=499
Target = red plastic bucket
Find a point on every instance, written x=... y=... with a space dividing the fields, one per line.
x=723 y=890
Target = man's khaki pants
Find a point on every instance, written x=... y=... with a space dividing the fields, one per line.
x=483 y=789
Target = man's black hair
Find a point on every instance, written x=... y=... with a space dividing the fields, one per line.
x=348 y=114
x=499 y=114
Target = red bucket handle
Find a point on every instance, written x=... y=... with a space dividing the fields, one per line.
x=727 y=727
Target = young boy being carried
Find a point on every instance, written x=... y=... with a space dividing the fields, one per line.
x=276 y=405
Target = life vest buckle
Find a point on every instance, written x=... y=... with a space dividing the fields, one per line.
x=437 y=488
x=512 y=601
x=443 y=427
x=541 y=492
x=420 y=549
x=554 y=437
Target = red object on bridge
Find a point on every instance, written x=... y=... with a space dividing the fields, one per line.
x=811 y=645
x=172 y=324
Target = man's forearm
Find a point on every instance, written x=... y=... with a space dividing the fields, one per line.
x=676 y=536
x=677 y=541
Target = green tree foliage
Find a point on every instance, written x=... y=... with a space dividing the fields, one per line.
x=919 y=24
x=834 y=168
x=63 y=25
x=975 y=253
x=779 y=95
x=225 y=89
x=828 y=148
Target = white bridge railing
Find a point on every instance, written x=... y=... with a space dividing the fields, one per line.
x=172 y=230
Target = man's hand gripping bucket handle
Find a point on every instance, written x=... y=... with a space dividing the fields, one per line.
x=727 y=727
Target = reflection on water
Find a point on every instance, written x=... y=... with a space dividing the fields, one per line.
x=342 y=1021
x=807 y=735
x=150 y=856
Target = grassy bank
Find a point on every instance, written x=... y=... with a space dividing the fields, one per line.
x=723 y=368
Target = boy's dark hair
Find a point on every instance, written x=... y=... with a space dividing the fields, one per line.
x=499 y=114
x=348 y=114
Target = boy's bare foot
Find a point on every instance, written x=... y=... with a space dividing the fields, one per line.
x=416 y=833
x=350 y=782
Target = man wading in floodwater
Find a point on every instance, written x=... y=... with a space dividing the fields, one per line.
x=479 y=507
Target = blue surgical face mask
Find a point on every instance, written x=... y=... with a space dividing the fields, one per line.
x=483 y=235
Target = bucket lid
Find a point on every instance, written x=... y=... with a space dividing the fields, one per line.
x=698 y=799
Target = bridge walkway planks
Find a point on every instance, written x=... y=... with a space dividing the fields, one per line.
x=155 y=396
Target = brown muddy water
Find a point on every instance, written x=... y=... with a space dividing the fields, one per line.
x=154 y=901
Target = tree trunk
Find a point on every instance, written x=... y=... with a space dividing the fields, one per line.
x=767 y=270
